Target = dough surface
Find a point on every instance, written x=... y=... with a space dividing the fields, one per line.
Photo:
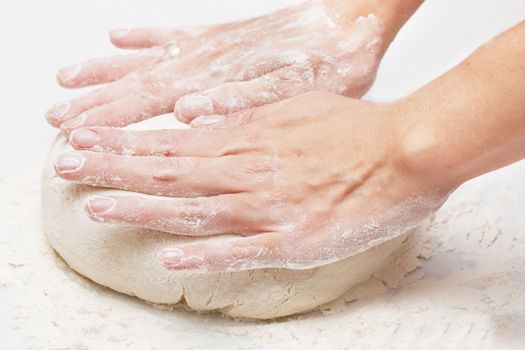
x=125 y=259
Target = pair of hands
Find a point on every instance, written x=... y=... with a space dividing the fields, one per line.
x=302 y=182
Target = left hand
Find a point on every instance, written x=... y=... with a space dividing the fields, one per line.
x=308 y=181
x=221 y=69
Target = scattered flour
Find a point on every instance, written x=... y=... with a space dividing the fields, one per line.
x=469 y=294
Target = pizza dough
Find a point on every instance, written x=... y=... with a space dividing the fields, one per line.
x=125 y=259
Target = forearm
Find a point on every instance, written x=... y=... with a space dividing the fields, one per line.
x=472 y=119
x=392 y=13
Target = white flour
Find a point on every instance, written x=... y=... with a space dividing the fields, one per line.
x=469 y=295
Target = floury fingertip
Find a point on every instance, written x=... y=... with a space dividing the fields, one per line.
x=208 y=121
x=66 y=75
x=99 y=205
x=69 y=163
x=119 y=33
x=190 y=107
x=176 y=259
x=84 y=138
x=173 y=253
x=57 y=111
x=74 y=123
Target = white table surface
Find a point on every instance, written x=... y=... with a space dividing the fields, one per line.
x=472 y=294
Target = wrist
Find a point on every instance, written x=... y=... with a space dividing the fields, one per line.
x=421 y=152
x=392 y=14
x=471 y=120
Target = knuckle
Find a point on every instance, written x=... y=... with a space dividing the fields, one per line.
x=148 y=85
x=171 y=170
x=246 y=142
x=194 y=213
x=192 y=208
x=166 y=145
x=257 y=165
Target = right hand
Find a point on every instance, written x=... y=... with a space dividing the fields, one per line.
x=302 y=182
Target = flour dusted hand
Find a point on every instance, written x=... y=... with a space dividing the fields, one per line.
x=306 y=182
x=221 y=69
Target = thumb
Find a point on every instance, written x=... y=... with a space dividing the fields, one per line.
x=231 y=120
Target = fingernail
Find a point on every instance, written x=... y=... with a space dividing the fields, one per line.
x=69 y=163
x=98 y=205
x=189 y=263
x=209 y=120
x=84 y=138
x=69 y=73
x=190 y=106
x=58 y=110
x=74 y=123
x=119 y=33
x=176 y=259
x=172 y=254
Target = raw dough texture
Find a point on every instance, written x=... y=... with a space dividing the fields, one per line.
x=125 y=259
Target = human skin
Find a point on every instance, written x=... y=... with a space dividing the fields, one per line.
x=314 y=178
x=326 y=45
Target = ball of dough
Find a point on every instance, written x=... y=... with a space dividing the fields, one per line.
x=125 y=259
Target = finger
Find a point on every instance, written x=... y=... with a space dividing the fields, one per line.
x=64 y=111
x=223 y=122
x=203 y=216
x=122 y=112
x=233 y=254
x=280 y=247
x=107 y=69
x=167 y=176
x=210 y=122
x=237 y=119
x=168 y=143
x=136 y=38
x=233 y=97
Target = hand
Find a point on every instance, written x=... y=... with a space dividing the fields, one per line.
x=307 y=181
x=225 y=68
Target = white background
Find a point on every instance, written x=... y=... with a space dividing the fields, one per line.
x=38 y=37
